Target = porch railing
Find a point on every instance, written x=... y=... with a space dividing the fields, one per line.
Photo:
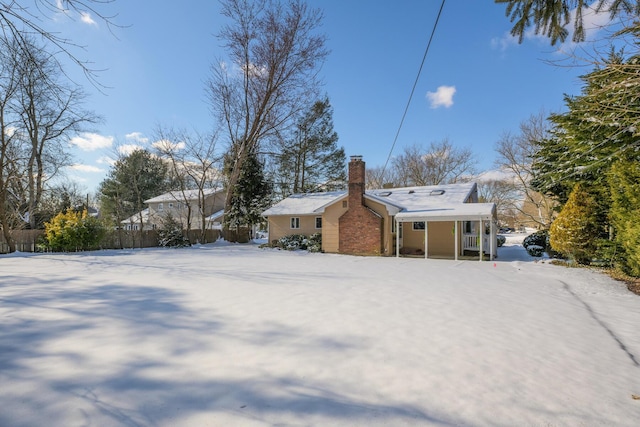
x=472 y=242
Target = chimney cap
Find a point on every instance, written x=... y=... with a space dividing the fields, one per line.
x=356 y=158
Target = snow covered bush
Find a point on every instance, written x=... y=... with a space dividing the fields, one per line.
x=171 y=234
x=539 y=238
x=535 y=250
x=73 y=231
x=575 y=230
x=315 y=243
x=294 y=242
x=501 y=240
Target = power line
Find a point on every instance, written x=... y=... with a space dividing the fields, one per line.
x=413 y=89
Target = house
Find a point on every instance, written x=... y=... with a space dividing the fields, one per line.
x=442 y=221
x=181 y=205
x=133 y=222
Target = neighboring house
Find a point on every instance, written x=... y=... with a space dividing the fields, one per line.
x=430 y=221
x=133 y=222
x=176 y=204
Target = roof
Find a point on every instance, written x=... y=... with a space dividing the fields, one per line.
x=135 y=218
x=485 y=211
x=173 y=196
x=425 y=197
x=216 y=215
x=304 y=204
x=397 y=200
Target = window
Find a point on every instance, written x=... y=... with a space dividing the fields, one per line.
x=160 y=207
x=318 y=222
x=418 y=225
x=170 y=205
x=295 y=222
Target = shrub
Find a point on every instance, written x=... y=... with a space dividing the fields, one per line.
x=609 y=253
x=501 y=240
x=539 y=238
x=574 y=231
x=294 y=242
x=535 y=250
x=171 y=234
x=624 y=182
x=73 y=231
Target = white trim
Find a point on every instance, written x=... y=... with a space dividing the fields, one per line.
x=481 y=239
x=455 y=242
x=426 y=240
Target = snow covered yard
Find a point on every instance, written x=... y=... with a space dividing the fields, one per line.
x=225 y=335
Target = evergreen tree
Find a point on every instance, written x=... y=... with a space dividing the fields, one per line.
x=551 y=17
x=575 y=230
x=311 y=160
x=132 y=180
x=171 y=234
x=624 y=179
x=251 y=196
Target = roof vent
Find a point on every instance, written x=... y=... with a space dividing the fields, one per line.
x=436 y=192
x=411 y=191
x=384 y=194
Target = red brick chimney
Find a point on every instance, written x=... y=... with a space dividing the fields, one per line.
x=356 y=181
x=360 y=228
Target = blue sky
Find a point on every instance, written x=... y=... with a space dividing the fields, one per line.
x=482 y=81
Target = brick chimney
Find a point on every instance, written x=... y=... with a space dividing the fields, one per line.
x=356 y=181
x=360 y=228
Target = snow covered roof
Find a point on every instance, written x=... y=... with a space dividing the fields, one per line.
x=398 y=200
x=136 y=217
x=173 y=196
x=485 y=211
x=304 y=204
x=216 y=215
x=424 y=197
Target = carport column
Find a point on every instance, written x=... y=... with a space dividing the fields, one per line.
x=493 y=239
x=455 y=239
x=426 y=239
x=481 y=239
x=397 y=238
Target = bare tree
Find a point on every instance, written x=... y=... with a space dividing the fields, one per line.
x=440 y=163
x=376 y=178
x=50 y=111
x=274 y=56
x=9 y=144
x=515 y=154
x=503 y=192
x=194 y=164
x=21 y=20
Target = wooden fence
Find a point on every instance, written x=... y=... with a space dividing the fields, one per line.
x=27 y=240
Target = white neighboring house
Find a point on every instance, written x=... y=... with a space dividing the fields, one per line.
x=133 y=222
x=177 y=204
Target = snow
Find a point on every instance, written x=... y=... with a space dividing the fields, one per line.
x=226 y=335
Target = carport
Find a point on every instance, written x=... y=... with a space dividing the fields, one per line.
x=483 y=214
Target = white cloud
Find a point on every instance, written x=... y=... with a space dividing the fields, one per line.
x=86 y=168
x=442 y=97
x=504 y=42
x=86 y=18
x=166 y=145
x=137 y=137
x=92 y=141
x=127 y=149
